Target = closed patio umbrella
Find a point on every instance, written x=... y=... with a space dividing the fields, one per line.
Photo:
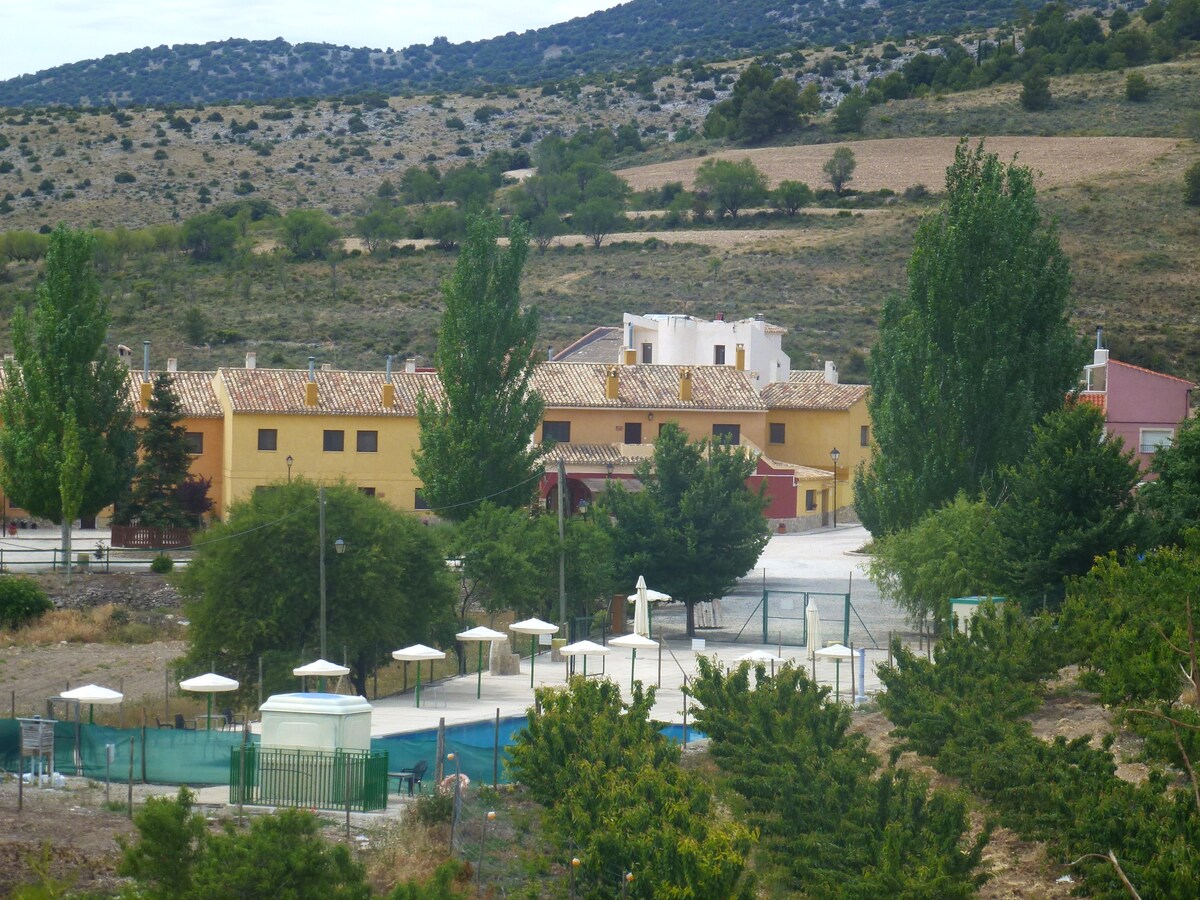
x=642 y=620
x=418 y=653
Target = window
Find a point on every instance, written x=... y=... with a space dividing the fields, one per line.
x=368 y=442
x=776 y=435
x=633 y=432
x=719 y=355
x=268 y=439
x=1153 y=438
x=730 y=434
x=864 y=436
x=647 y=354
x=810 y=500
x=335 y=441
x=195 y=442
x=367 y=491
x=419 y=501
x=559 y=432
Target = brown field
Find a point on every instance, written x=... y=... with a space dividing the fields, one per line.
x=902 y=162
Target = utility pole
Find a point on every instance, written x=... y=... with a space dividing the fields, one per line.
x=321 y=538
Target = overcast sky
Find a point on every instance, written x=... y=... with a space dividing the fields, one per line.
x=39 y=34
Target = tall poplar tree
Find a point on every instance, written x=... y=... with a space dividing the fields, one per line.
x=60 y=372
x=476 y=436
x=976 y=352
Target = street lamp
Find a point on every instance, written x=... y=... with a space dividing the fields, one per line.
x=289 y=462
x=835 y=454
x=339 y=546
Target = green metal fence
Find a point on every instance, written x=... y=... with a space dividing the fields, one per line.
x=316 y=779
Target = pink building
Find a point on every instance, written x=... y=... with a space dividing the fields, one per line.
x=1140 y=406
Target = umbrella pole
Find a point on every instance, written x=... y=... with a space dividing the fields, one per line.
x=208 y=723
x=585 y=665
x=479 y=673
x=632 y=668
x=532 y=656
x=837 y=680
x=649 y=620
x=418 y=684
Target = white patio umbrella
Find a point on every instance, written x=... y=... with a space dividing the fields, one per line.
x=642 y=620
x=836 y=652
x=322 y=669
x=209 y=683
x=634 y=642
x=92 y=694
x=757 y=656
x=480 y=635
x=418 y=653
x=585 y=649
x=532 y=627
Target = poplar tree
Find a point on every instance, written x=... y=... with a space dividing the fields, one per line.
x=476 y=435
x=975 y=353
x=61 y=373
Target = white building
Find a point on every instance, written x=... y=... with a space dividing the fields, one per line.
x=678 y=340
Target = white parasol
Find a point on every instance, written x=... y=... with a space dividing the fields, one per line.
x=209 y=683
x=418 y=653
x=532 y=627
x=761 y=656
x=480 y=634
x=92 y=694
x=322 y=669
x=634 y=642
x=584 y=649
x=836 y=652
x=641 y=606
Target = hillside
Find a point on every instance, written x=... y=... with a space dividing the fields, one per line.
x=634 y=35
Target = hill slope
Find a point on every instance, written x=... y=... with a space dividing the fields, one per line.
x=633 y=35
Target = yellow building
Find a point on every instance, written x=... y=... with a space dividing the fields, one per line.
x=811 y=415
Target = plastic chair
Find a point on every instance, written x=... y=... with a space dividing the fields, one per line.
x=412 y=777
x=161 y=724
x=181 y=723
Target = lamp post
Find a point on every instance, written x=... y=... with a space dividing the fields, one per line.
x=835 y=454
x=339 y=546
x=289 y=462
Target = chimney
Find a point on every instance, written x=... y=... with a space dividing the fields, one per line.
x=612 y=383
x=125 y=355
x=389 y=390
x=630 y=356
x=760 y=318
x=310 y=389
x=831 y=375
x=720 y=317
x=410 y=365
x=739 y=356
x=685 y=385
x=549 y=354
x=1100 y=356
x=251 y=360
x=145 y=386
x=172 y=364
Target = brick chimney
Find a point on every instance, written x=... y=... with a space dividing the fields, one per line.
x=685 y=385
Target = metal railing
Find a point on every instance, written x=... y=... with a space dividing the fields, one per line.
x=314 y=779
x=106 y=560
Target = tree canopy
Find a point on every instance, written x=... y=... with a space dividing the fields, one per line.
x=976 y=352
x=63 y=381
x=731 y=186
x=475 y=436
x=696 y=527
x=163 y=467
x=253 y=590
x=1172 y=501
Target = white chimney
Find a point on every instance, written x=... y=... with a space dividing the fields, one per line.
x=251 y=360
x=410 y=364
x=172 y=364
x=831 y=375
x=1100 y=355
x=326 y=367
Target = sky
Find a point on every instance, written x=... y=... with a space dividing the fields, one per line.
x=40 y=34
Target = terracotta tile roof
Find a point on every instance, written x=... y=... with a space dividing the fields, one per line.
x=1117 y=362
x=195 y=390
x=1098 y=399
x=805 y=390
x=581 y=385
x=596 y=454
x=339 y=393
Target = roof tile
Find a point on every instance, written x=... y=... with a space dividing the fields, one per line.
x=581 y=385
x=339 y=393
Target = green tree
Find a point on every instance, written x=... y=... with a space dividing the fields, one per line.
x=1191 y=185
x=475 y=435
x=1172 y=500
x=1137 y=87
x=598 y=218
x=948 y=553
x=309 y=234
x=62 y=378
x=210 y=236
x=696 y=528
x=419 y=185
x=381 y=225
x=976 y=352
x=252 y=588
x=1068 y=501
x=839 y=168
x=164 y=463
x=732 y=186
x=444 y=224
x=1035 y=90
x=851 y=113
x=791 y=196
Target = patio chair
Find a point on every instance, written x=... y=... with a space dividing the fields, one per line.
x=411 y=777
x=181 y=723
x=232 y=720
x=161 y=724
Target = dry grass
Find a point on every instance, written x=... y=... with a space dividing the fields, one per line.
x=66 y=626
x=900 y=163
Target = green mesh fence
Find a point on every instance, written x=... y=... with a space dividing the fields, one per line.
x=473 y=745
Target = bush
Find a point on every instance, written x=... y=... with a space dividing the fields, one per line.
x=124 y=178
x=1137 y=88
x=162 y=564
x=1191 y=185
x=21 y=601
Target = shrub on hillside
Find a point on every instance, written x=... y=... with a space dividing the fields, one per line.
x=1191 y=185
x=21 y=601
